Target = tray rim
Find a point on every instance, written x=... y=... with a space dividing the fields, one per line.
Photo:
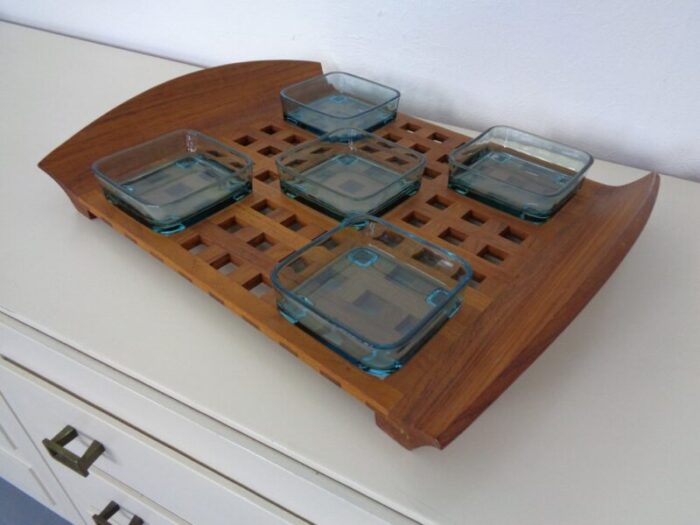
x=442 y=402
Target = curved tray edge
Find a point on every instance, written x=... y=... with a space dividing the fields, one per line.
x=233 y=92
x=454 y=391
x=452 y=396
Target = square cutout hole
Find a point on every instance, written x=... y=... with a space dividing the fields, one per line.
x=391 y=239
x=261 y=242
x=476 y=280
x=430 y=173
x=438 y=137
x=330 y=244
x=294 y=139
x=474 y=218
x=293 y=223
x=269 y=151
x=231 y=225
x=214 y=153
x=257 y=286
x=224 y=265
x=493 y=255
x=513 y=235
x=294 y=163
x=245 y=140
x=270 y=129
x=453 y=236
x=372 y=303
x=444 y=159
x=420 y=148
x=397 y=160
x=320 y=150
x=299 y=265
x=410 y=127
x=266 y=176
x=369 y=149
x=416 y=219
x=406 y=324
x=439 y=202
x=195 y=245
x=458 y=274
x=427 y=257
x=263 y=207
x=391 y=137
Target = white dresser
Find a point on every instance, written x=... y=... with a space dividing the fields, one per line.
x=179 y=412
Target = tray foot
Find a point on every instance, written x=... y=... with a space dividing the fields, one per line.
x=82 y=208
x=405 y=438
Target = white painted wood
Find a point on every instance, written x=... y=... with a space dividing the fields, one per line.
x=606 y=417
x=21 y=474
x=269 y=473
x=6 y=416
x=22 y=465
x=92 y=494
x=171 y=480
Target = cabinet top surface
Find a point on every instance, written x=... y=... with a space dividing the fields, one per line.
x=604 y=418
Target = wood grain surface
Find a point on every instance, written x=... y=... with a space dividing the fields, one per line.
x=529 y=281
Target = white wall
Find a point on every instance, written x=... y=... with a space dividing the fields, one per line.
x=618 y=78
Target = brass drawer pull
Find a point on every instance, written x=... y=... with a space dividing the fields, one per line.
x=80 y=464
x=110 y=510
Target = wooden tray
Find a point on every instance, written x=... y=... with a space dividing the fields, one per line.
x=530 y=280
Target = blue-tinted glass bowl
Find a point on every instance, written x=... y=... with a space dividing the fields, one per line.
x=174 y=180
x=523 y=174
x=339 y=100
x=370 y=291
x=350 y=171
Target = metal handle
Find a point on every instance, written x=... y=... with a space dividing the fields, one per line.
x=110 y=510
x=80 y=464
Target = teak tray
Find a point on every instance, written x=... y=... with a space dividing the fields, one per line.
x=530 y=280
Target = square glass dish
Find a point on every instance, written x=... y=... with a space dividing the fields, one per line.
x=350 y=171
x=174 y=180
x=339 y=100
x=518 y=172
x=370 y=291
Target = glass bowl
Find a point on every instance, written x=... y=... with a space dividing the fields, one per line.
x=350 y=171
x=175 y=180
x=370 y=291
x=339 y=100
x=518 y=172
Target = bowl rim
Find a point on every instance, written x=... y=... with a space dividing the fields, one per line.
x=350 y=222
x=284 y=95
x=419 y=166
x=575 y=179
x=247 y=166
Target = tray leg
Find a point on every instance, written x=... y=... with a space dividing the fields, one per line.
x=405 y=439
x=81 y=207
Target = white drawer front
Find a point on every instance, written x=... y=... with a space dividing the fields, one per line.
x=94 y=493
x=6 y=442
x=15 y=470
x=22 y=465
x=186 y=489
x=288 y=482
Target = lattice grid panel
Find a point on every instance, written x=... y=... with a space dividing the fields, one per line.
x=243 y=242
